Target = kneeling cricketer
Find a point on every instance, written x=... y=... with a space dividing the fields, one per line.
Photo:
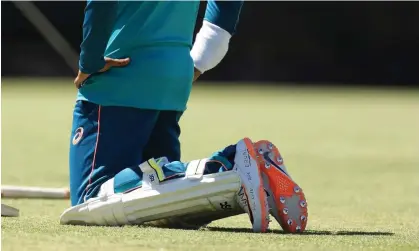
x=136 y=69
x=247 y=177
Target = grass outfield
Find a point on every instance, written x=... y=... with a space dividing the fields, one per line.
x=354 y=152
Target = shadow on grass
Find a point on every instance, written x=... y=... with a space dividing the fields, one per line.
x=307 y=232
x=274 y=231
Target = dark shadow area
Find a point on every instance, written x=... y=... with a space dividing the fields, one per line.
x=249 y=230
x=340 y=43
x=308 y=232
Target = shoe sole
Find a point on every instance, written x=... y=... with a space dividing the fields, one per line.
x=290 y=209
x=252 y=181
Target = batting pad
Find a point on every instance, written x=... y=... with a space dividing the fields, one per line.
x=157 y=200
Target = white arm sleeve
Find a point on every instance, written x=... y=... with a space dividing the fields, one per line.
x=210 y=47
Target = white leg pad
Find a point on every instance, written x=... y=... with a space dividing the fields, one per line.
x=159 y=200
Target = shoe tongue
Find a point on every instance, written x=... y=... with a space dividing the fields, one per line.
x=162 y=161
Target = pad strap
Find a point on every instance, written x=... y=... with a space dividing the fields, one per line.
x=152 y=173
x=156 y=166
x=196 y=168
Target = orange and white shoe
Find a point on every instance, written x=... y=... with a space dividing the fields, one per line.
x=252 y=197
x=286 y=199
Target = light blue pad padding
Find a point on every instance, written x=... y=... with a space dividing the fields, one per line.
x=131 y=178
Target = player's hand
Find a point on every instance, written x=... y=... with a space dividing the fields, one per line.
x=196 y=74
x=109 y=63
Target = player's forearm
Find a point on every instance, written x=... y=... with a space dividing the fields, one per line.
x=212 y=41
x=97 y=28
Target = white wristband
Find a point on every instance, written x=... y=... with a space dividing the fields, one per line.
x=210 y=47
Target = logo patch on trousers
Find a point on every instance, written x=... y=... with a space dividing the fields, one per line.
x=78 y=135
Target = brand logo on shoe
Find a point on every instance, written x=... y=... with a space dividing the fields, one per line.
x=242 y=197
x=246 y=159
x=249 y=177
x=252 y=196
x=252 y=193
x=252 y=206
x=78 y=135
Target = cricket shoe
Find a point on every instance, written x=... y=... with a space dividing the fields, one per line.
x=286 y=199
x=252 y=196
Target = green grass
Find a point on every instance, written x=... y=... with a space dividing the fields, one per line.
x=354 y=151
